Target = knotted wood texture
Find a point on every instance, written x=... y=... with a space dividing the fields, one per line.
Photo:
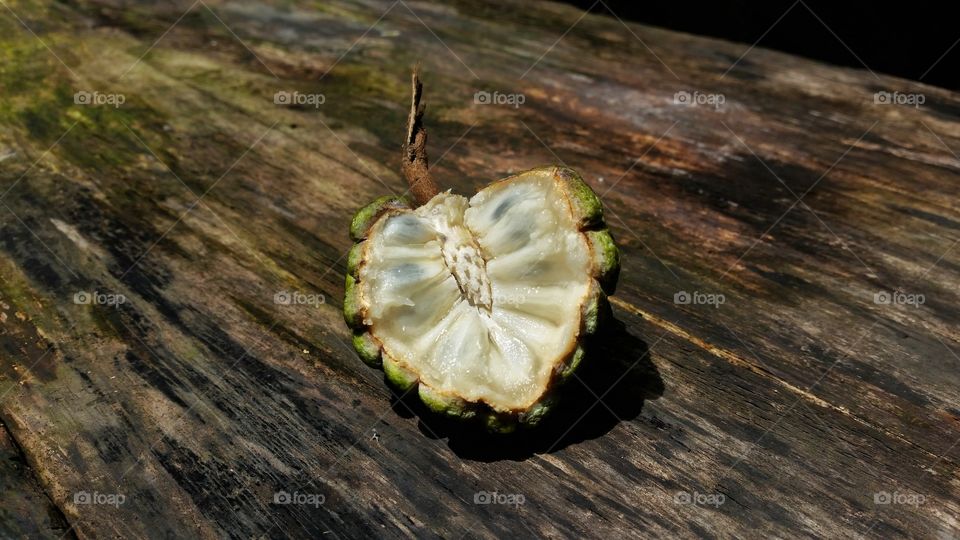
x=201 y=162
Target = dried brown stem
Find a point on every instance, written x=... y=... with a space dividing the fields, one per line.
x=415 y=166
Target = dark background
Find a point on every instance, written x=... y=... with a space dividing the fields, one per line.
x=904 y=39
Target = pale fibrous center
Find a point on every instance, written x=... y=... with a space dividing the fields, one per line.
x=462 y=257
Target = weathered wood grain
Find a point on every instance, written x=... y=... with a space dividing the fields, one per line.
x=25 y=512
x=795 y=402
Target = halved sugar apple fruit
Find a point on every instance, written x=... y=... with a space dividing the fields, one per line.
x=483 y=304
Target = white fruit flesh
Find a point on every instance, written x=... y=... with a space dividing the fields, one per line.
x=482 y=298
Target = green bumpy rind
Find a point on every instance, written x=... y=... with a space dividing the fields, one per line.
x=368 y=215
x=354 y=258
x=591 y=315
x=587 y=213
x=446 y=405
x=586 y=206
x=500 y=423
x=368 y=349
x=536 y=413
x=606 y=259
x=568 y=368
x=401 y=378
x=351 y=304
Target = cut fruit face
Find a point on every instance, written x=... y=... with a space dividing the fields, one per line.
x=486 y=301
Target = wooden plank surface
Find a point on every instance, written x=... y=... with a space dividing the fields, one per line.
x=25 y=511
x=800 y=406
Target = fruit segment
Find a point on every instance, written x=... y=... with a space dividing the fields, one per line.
x=484 y=302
